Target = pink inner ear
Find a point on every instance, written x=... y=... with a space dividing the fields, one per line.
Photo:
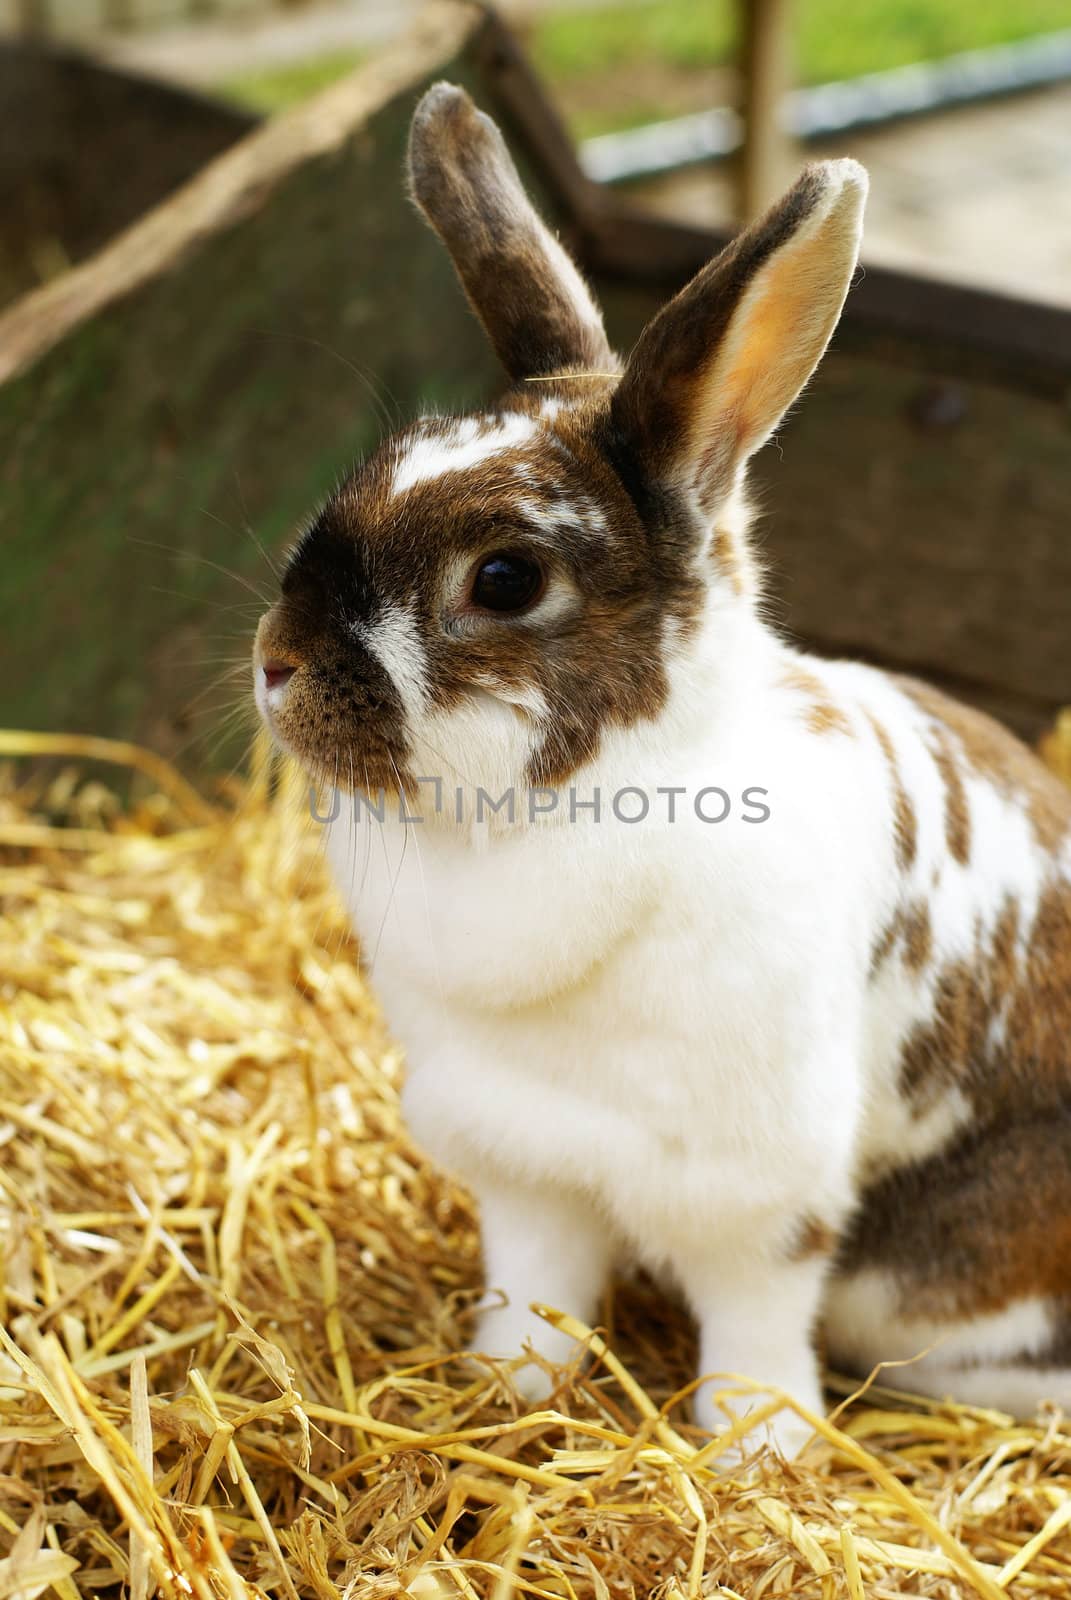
x=773 y=344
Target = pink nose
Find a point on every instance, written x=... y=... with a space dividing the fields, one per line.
x=276 y=674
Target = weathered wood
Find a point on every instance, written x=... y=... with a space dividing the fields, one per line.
x=930 y=539
x=85 y=151
x=33 y=17
x=224 y=192
x=214 y=370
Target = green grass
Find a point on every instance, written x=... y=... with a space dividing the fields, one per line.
x=274 y=88
x=684 y=33
x=835 y=38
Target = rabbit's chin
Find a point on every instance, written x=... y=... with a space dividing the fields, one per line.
x=370 y=774
x=483 y=745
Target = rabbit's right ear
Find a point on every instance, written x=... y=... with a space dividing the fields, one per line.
x=715 y=371
x=522 y=285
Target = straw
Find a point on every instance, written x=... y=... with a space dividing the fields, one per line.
x=234 y=1290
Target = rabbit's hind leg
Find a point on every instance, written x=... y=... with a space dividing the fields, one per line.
x=957 y=1270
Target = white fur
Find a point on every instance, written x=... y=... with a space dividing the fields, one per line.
x=1019 y=1390
x=633 y=1017
x=968 y=1360
x=866 y=1316
x=577 y=515
x=467 y=445
x=395 y=641
x=658 y=1040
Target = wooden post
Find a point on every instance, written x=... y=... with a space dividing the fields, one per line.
x=118 y=15
x=765 y=62
x=31 y=18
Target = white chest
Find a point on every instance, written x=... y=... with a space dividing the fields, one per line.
x=626 y=1022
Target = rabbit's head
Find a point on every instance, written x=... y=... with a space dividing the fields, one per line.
x=489 y=595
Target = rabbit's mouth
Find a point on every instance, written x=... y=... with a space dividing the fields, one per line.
x=335 y=711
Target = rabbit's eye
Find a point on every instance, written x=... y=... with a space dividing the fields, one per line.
x=507 y=582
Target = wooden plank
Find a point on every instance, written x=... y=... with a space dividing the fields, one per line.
x=226 y=190
x=32 y=18
x=194 y=391
x=943 y=328
x=926 y=529
x=922 y=530
x=79 y=125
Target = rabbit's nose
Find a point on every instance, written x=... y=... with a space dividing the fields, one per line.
x=276 y=674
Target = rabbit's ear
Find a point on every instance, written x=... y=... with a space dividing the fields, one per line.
x=715 y=371
x=522 y=285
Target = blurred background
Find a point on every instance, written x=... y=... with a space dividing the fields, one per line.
x=960 y=108
x=215 y=296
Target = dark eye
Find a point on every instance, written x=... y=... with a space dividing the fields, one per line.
x=507 y=582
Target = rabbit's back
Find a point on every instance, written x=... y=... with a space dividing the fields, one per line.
x=961 y=1237
x=969 y=989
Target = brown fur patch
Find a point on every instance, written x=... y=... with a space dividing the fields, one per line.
x=727 y=559
x=527 y=295
x=977 y=1227
x=918 y=937
x=957 y=807
x=823 y=715
x=1001 y=1029
x=886 y=943
x=911 y=927
x=812 y=1238
x=905 y=822
x=557 y=497
x=992 y=753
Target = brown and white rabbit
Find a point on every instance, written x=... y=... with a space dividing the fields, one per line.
x=762 y=977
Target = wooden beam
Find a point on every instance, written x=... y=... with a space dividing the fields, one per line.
x=765 y=161
x=32 y=19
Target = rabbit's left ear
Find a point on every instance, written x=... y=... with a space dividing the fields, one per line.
x=522 y=285
x=716 y=370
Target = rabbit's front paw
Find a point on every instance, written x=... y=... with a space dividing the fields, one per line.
x=785 y=1432
x=506 y=1332
x=755 y=1349
x=542 y=1247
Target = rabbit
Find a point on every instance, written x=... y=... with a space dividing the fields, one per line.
x=745 y=966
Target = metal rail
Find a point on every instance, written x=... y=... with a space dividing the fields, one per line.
x=835 y=108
